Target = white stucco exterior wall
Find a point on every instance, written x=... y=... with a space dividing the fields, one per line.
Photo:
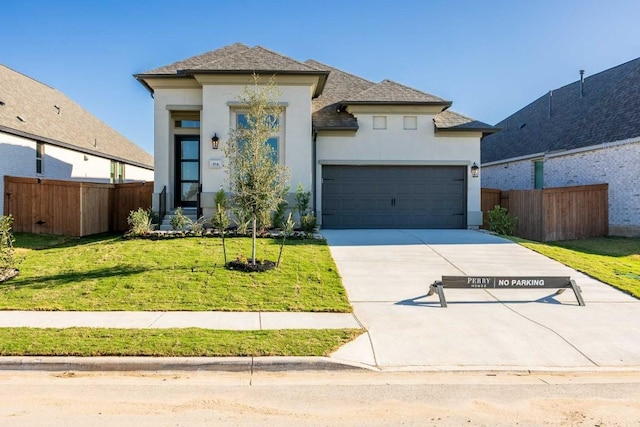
x=617 y=164
x=398 y=146
x=218 y=103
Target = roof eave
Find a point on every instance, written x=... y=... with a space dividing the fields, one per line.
x=484 y=130
x=72 y=147
x=445 y=104
x=188 y=73
x=336 y=128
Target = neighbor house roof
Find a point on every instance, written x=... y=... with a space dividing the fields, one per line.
x=36 y=111
x=607 y=111
x=336 y=89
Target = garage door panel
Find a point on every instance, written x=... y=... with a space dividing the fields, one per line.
x=394 y=197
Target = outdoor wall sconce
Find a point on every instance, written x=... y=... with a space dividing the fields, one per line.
x=215 y=141
x=475 y=170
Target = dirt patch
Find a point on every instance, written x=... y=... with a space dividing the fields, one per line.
x=259 y=266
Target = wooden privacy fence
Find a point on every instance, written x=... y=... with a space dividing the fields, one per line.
x=549 y=214
x=72 y=208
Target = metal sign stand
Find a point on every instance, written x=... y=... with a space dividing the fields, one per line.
x=468 y=282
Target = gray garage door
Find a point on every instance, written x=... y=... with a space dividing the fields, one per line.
x=394 y=197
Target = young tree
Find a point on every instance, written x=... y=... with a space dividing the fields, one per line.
x=255 y=178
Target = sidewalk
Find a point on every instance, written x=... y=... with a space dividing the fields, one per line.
x=241 y=321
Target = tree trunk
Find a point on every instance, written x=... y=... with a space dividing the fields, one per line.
x=224 y=248
x=253 y=239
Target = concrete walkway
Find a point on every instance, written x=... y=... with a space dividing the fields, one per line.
x=244 y=321
x=387 y=273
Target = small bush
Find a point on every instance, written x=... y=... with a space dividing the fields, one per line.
x=196 y=226
x=7 y=252
x=242 y=219
x=179 y=220
x=140 y=222
x=278 y=217
x=500 y=221
x=302 y=200
x=308 y=223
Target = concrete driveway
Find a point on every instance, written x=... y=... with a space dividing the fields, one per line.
x=387 y=274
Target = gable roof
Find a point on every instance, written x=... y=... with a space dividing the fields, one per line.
x=34 y=110
x=608 y=111
x=390 y=92
x=343 y=88
x=236 y=59
x=336 y=88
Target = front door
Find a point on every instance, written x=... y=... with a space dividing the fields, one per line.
x=187 y=170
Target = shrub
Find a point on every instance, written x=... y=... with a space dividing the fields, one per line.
x=179 y=220
x=140 y=222
x=500 y=221
x=302 y=200
x=278 y=215
x=308 y=223
x=196 y=226
x=7 y=253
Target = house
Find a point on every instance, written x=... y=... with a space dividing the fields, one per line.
x=374 y=155
x=44 y=134
x=587 y=132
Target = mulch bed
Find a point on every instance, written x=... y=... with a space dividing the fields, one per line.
x=7 y=274
x=260 y=266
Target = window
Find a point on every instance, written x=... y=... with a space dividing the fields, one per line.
x=39 y=157
x=379 y=122
x=117 y=172
x=273 y=141
x=538 y=174
x=189 y=124
x=410 y=122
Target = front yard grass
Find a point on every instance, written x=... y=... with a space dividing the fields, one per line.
x=612 y=260
x=110 y=273
x=189 y=342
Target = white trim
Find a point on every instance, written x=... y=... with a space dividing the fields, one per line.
x=176 y=107
x=514 y=159
x=239 y=104
x=561 y=153
x=396 y=162
x=594 y=147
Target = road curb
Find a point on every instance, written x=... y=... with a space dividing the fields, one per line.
x=220 y=364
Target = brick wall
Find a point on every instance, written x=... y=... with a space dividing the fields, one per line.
x=508 y=176
x=617 y=164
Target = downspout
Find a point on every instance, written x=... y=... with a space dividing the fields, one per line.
x=313 y=170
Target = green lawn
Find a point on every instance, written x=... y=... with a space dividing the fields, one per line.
x=111 y=273
x=189 y=342
x=613 y=260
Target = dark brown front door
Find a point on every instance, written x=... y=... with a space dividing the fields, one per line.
x=187 y=170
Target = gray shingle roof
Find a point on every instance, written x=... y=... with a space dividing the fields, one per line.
x=50 y=116
x=198 y=60
x=450 y=120
x=608 y=111
x=235 y=57
x=390 y=92
x=340 y=88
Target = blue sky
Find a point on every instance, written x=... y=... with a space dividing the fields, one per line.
x=490 y=58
